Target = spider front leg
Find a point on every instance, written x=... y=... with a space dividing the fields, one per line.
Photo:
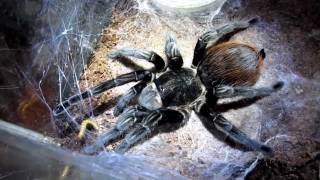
x=161 y=120
x=140 y=54
x=118 y=81
x=247 y=92
x=126 y=98
x=126 y=120
x=223 y=130
x=213 y=37
x=138 y=123
x=172 y=52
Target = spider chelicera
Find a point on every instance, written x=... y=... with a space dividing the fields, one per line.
x=164 y=97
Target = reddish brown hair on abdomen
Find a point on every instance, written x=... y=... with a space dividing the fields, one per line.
x=231 y=63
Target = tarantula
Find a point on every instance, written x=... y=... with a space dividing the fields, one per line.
x=220 y=69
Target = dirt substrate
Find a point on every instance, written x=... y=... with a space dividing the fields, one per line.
x=288 y=121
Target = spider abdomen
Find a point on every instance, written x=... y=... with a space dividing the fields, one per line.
x=231 y=64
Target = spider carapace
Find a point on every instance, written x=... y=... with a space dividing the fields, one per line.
x=164 y=97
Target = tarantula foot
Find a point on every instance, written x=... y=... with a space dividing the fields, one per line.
x=100 y=142
x=266 y=150
x=222 y=91
x=253 y=21
x=278 y=85
x=91 y=150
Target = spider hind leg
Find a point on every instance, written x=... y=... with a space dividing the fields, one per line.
x=247 y=92
x=223 y=130
x=216 y=36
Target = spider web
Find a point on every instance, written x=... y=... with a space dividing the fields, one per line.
x=63 y=37
x=43 y=66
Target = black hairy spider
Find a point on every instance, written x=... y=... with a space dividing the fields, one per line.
x=220 y=69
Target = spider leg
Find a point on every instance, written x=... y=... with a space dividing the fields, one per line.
x=213 y=37
x=140 y=54
x=172 y=52
x=248 y=92
x=161 y=120
x=222 y=129
x=127 y=97
x=126 y=120
x=118 y=81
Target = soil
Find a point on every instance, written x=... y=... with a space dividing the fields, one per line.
x=287 y=121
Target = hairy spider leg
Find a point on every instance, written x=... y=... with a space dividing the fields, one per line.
x=223 y=130
x=126 y=121
x=216 y=36
x=164 y=120
x=247 y=92
x=118 y=81
x=172 y=52
x=150 y=56
x=128 y=96
x=136 y=90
